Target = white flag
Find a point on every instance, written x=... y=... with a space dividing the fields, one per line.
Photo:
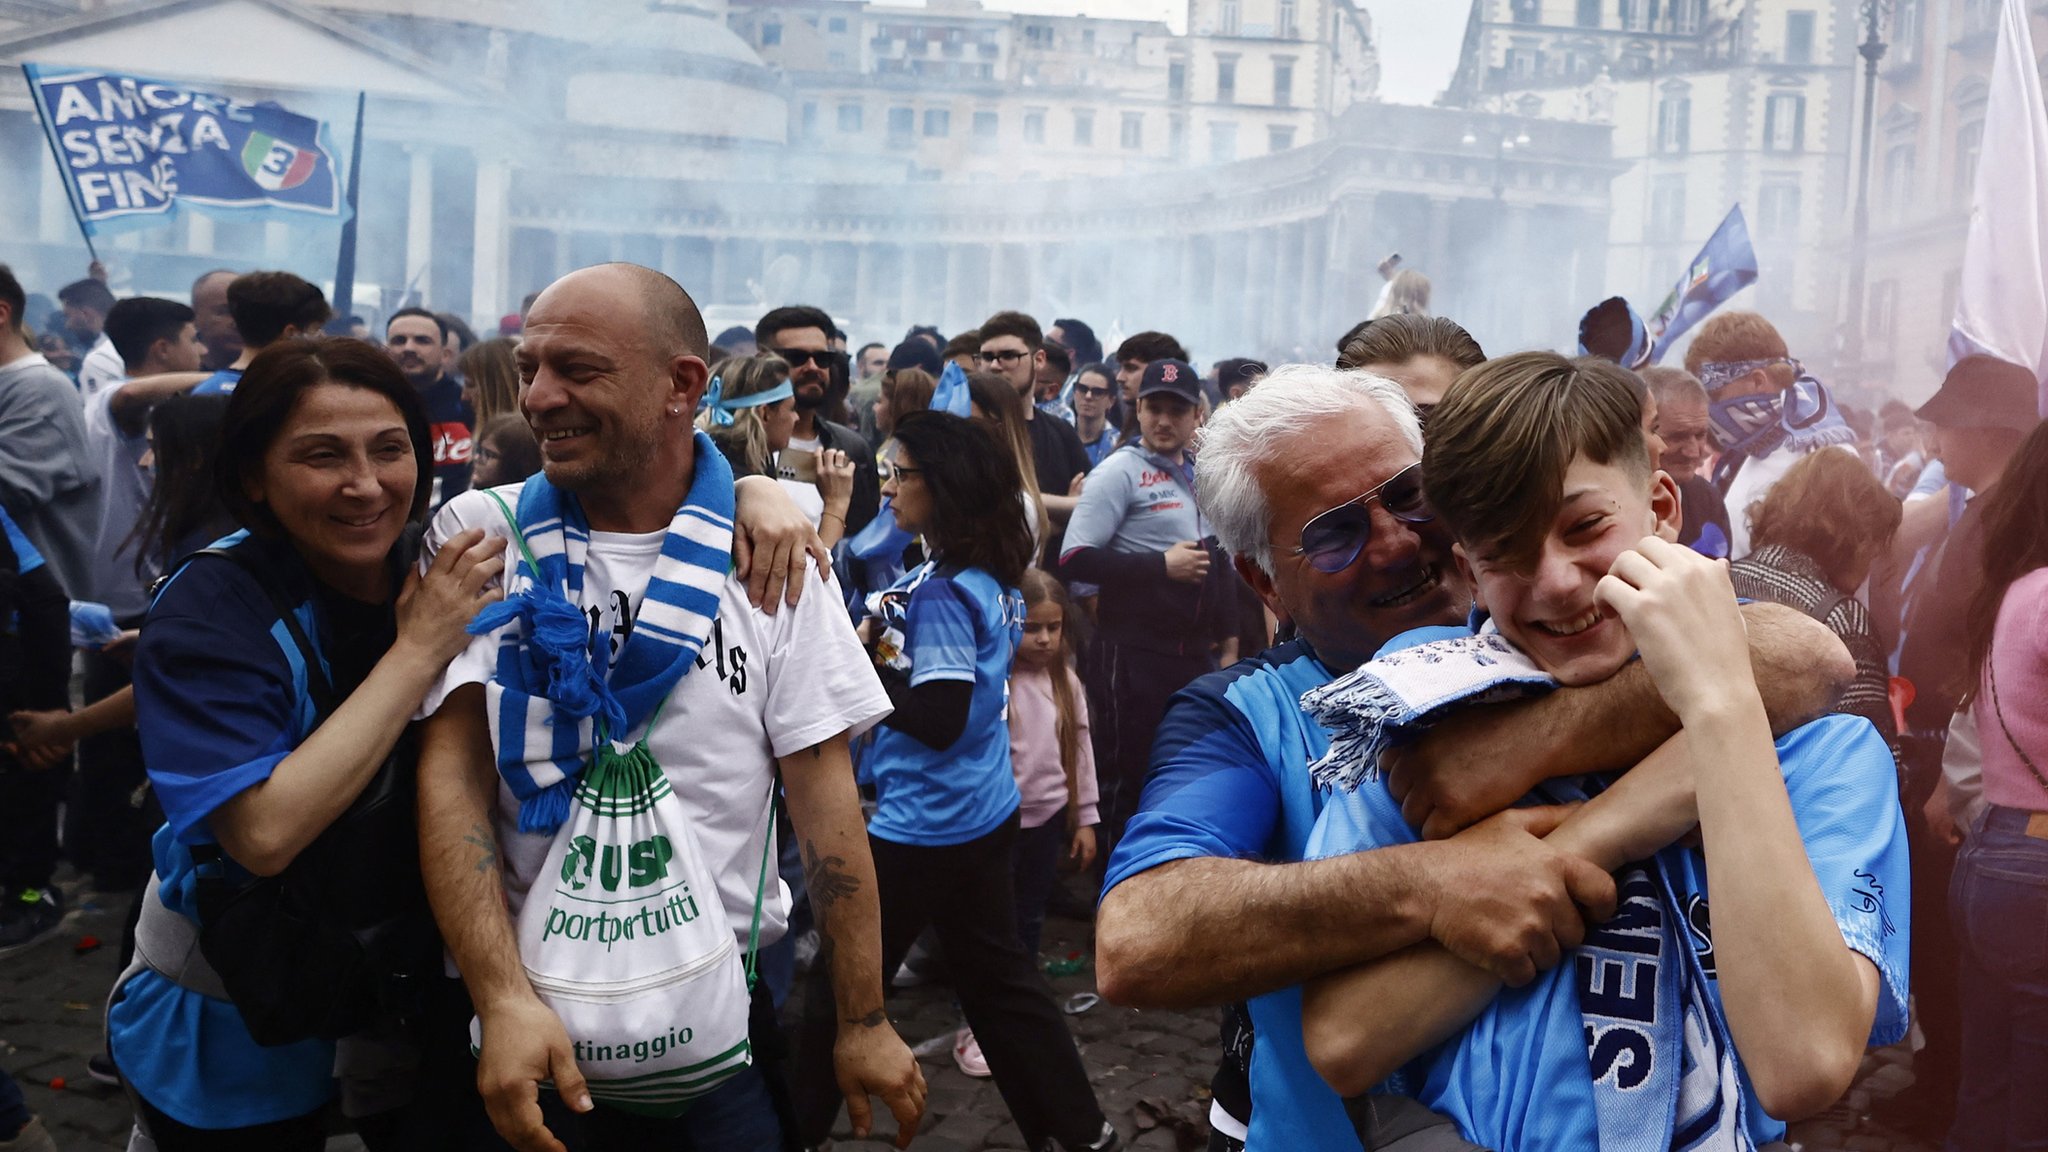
x=2002 y=301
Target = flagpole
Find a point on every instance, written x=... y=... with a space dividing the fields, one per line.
x=57 y=154
x=345 y=261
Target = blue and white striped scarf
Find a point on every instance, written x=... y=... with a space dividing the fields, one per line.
x=553 y=701
x=1657 y=1047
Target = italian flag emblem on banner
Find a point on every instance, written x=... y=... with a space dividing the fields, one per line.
x=275 y=165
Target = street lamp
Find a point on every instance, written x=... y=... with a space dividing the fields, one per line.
x=1872 y=50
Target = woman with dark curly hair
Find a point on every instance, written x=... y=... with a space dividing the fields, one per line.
x=946 y=820
x=1817 y=532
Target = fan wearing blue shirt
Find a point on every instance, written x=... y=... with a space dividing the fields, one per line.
x=946 y=816
x=1311 y=481
x=1669 y=1027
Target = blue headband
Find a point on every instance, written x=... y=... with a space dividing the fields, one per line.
x=722 y=409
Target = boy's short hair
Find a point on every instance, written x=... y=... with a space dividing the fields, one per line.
x=967 y=343
x=137 y=323
x=440 y=325
x=1011 y=324
x=1150 y=346
x=1056 y=358
x=1403 y=336
x=264 y=304
x=12 y=295
x=1734 y=336
x=1505 y=434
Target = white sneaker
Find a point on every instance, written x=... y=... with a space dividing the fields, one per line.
x=967 y=1054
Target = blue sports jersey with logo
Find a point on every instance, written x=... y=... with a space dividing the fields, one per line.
x=955 y=624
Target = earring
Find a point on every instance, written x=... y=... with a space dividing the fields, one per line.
x=674 y=411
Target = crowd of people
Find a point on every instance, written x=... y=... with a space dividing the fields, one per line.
x=563 y=740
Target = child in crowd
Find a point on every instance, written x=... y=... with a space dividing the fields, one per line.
x=1055 y=768
x=506 y=452
x=1049 y=752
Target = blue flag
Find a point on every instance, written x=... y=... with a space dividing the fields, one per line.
x=133 y=150
x=951 y=393
x=1724 y=267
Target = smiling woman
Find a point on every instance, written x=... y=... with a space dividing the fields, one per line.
x=274 y=680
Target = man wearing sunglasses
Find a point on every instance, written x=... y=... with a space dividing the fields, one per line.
x=1311 y=480
x=802 y=336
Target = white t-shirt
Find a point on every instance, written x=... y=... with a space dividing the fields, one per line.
x=101 y=368
x=807 y=498
x=124 y=493
x=764 y=687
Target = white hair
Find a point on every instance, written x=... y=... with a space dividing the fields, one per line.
x=1291 y=401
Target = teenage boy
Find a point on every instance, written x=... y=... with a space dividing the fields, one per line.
x=265 y=307
x=1700 y=1031
x=1012 y=347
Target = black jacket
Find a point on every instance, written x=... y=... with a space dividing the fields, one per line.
x=867 y=479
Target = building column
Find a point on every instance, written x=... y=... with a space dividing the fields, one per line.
x=419 y=218
x=860 y=283
x=949 y=304
x=487 y=280
x=199 y=238
x=717 y=294
x=1439 y=254
x=1510 y=307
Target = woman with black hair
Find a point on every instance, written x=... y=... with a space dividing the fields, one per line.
x=273 y=680
x=947 y=802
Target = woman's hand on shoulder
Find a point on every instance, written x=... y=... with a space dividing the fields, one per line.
x=434 y=610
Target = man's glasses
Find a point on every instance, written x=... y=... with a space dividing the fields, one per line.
x=1333 y=540
x=1006 y=356
x=1089 y=391
x=798 y=357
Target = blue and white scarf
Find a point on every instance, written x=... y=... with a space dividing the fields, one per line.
x=1658 y=1051
x=1802 y=418
x=556 y=698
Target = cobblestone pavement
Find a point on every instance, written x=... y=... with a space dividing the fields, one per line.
x=1150 y=1069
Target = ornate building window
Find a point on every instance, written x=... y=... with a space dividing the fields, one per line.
x=1785 y=122
x=1674 y=122
x=1969 y=145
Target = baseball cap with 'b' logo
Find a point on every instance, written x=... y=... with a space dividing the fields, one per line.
x=1174 y=377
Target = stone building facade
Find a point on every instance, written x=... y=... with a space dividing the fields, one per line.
x=509 y=142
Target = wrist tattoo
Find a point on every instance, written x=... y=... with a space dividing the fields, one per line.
x=874 y=1019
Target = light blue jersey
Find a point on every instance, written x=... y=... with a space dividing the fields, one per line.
x=1519 y=1079
x=1230 y=779
x=956 y=624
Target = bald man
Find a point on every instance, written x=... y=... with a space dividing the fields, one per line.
x=612 y=367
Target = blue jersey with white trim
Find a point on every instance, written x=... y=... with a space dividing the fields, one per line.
x=1518 y=1078
x=1230 y=778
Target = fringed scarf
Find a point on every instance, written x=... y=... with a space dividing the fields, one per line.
x=1658 y=1052
x=555 y=699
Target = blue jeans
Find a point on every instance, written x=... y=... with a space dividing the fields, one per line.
x=1999 y=903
